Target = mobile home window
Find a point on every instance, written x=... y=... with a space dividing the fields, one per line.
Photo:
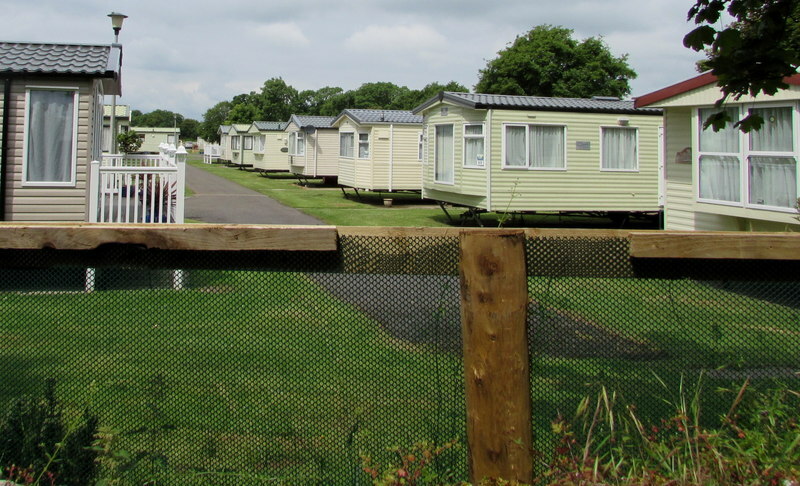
x=346 y=144
x=51 y=132
x=248 y=142
x=171 y=138
x=419 y=146
x=261 y=142
x=363 y=145
x=443 y=161
x=619 y=149
x=719 y=162
x=473 y=145
x=535 y=146
x=235 y=141
x=772 y=164
x=297 y=143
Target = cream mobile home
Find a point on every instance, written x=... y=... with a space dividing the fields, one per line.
x=313 y=145
x=537 y=154
x=379 y=150
x=728 y=179
x=269 y=152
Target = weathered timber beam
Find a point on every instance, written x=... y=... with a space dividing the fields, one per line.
x=206 y=237
x=716 y=245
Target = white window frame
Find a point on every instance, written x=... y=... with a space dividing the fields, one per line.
x=435 y=153
x=749 y=152
x=636 y=146
x=97 y=146
x=358 y=143
x=245 y=140
x=464 y=137
x=236 y=142
x=26 y=137
x=527 y=165
x=352 y=145
x=696 y=130
x=298 y=136
x=259 y=144
x=744 y=154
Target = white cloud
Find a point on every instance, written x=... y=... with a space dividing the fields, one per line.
x=418 y=39
x=281 y=33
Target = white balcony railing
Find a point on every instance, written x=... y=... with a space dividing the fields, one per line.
x=138 y=188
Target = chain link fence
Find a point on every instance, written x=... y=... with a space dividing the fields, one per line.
x=255 y=367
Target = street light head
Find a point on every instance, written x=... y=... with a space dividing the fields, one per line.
x=116 y=21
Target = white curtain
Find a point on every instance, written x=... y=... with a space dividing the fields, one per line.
x=443 y=164
x=723 y=141
x=293 y=143
x=346 y=144
x=301 y=143
x=773 y=181
x=775 y=135
x=619 y=148
x=719 y=178
x=50 y=144
x=473 y=145
x=547 y=146
x=363 y=145
x=515 y=147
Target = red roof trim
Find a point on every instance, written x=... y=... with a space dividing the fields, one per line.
x=688 y=85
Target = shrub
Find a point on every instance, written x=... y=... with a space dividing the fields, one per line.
x=756 y=442
x=37 y=444
x=129 y=142
x=413 y=467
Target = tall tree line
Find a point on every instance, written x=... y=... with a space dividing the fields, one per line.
x=277 y=101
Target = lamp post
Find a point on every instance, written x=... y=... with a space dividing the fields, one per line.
x=116 y=24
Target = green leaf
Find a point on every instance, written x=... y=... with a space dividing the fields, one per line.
x=700 y=37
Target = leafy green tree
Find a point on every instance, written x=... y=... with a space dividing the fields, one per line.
x=214 y=117
x=380 y=95
x=279 y=100
x=189 y=129
x=548 y=61
x=416 y=97
x=750 y=56
x=136 y=118
x=324 y=101
x=157 y=118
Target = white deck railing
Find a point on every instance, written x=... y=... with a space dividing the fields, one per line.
x=138 y=188
x=211 y=153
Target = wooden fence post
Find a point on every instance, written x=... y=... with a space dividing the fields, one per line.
x=494 y=299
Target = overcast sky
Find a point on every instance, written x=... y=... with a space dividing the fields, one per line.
x=187 y=55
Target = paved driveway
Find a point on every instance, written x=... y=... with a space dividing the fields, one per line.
x=218 y=200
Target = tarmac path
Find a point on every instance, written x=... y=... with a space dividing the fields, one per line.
x=218 y=200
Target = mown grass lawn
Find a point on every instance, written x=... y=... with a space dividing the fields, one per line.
x=243 y=375
x=329 y=204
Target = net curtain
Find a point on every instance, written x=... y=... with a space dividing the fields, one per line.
x=50 y=132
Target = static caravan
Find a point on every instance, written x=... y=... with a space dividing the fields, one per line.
x=379 y=150
x=529 y=154
x=152 y=137
x=122 y=119
x=241 y=144
x=224 y=143
x=269 y=152
x=313 y=146
x=52 y=117
x=729 y=180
